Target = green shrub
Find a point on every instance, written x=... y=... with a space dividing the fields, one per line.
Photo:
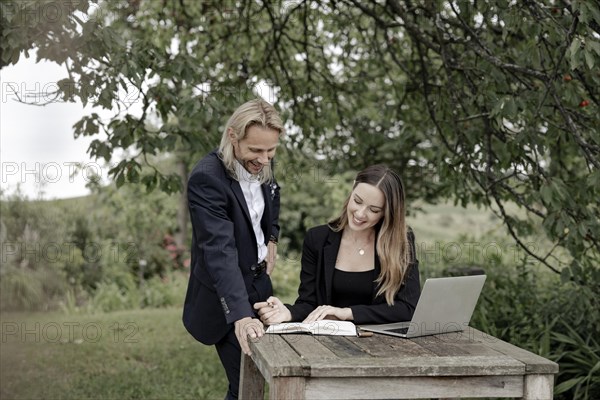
x=27 y=289
x=110 y=297
x=164 y=292
x=559 y=321
x=20 y=290
x=127 y=294
x=579 y=359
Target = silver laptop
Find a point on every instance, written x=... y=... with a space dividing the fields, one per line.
x=446 y=305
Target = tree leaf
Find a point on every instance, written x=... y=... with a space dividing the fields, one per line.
x=589 y=59
x=567 y=385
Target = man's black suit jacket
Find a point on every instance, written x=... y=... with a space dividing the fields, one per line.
x=319 y=253
x=223 y=250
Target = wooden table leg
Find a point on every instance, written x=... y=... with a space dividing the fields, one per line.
x=252 y=383
x=287 y=388
x=538 y=387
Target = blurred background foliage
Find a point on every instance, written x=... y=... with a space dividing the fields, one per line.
x=488 y=109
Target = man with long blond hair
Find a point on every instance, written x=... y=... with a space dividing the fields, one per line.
x=233 y=201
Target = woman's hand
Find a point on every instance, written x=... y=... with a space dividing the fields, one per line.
x=273 y=311
x=329 y=312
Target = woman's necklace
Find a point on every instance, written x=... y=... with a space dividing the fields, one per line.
x=361 y=249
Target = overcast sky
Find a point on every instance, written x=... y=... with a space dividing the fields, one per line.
x=37 y=143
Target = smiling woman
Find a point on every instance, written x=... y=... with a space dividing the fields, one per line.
x=365 y=210
x=362 y=265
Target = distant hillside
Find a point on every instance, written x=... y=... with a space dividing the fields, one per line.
x=446 y=222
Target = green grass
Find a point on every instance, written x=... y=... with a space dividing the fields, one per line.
x=139 y=354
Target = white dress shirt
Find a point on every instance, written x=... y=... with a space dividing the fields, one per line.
x=251 y=187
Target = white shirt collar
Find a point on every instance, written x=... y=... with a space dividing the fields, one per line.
x=243 y=175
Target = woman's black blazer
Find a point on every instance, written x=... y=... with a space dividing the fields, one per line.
x=319 y=253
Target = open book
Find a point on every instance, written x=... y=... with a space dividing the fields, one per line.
x=322 y=327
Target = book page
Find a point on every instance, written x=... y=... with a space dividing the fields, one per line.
x=323 y=327
x=289 y=327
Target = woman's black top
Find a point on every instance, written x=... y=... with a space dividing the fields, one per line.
x=352 y=288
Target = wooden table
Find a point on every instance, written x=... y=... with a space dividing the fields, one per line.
x=465 y=364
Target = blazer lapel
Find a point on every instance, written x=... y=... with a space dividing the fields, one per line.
x=265 y=222
x=330 y=252
x=237 y=190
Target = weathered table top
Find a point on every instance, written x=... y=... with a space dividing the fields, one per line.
x=458 y=364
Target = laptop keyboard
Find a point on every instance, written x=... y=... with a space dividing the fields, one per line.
x=398 y=330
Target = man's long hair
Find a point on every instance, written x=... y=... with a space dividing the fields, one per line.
x=254 y=112
x=393 y=248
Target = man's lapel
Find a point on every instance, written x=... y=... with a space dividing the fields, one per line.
x=237 y=190
x=266 y=222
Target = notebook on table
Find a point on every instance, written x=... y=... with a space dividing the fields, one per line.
x=445 y=305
